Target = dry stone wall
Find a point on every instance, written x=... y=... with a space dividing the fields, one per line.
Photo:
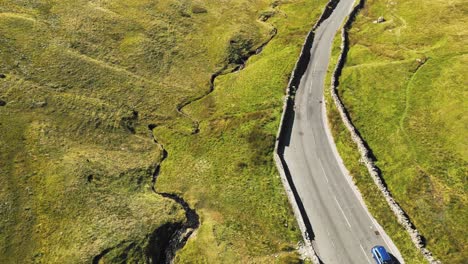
x=364 y=150
x=285 y=122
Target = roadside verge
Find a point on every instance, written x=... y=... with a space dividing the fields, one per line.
x=364 y=150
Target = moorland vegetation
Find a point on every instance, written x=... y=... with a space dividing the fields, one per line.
x=86 y=86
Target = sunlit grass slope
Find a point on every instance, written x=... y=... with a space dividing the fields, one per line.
x=405 y=87
x=229 y=174
x=80 y=83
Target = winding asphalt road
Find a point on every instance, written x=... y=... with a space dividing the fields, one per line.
x=344 y=230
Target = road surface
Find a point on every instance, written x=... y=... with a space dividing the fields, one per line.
x=344 y=230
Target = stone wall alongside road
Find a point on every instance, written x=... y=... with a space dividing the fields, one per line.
x=364 y=150
x=287 y=118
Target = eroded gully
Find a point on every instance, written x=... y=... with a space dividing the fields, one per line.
x=182 y=233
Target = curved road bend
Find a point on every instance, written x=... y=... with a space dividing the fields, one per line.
x=344 y=230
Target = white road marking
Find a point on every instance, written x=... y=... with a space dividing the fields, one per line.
x=324 y=174
x=309 y=88
x=341 y=209
x=364 y=252
x=388 y=243
x=307 y=97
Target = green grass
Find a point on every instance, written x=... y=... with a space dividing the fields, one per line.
x=84 y=79
x=238 y=124
x=403 y=85
x=375 y=202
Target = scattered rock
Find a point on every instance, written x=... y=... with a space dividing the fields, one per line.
x=379 y=20
x=2 y=103
x=421 y=60
x=40 y=104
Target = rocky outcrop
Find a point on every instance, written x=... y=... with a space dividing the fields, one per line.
x=366 y=153
x=379 y=20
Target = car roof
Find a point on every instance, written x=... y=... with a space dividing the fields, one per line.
x=382 y=252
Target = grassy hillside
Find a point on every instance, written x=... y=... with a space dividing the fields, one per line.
x=404 y=86
x=81 y=81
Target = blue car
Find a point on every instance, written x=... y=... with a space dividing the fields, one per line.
x=381 y=255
